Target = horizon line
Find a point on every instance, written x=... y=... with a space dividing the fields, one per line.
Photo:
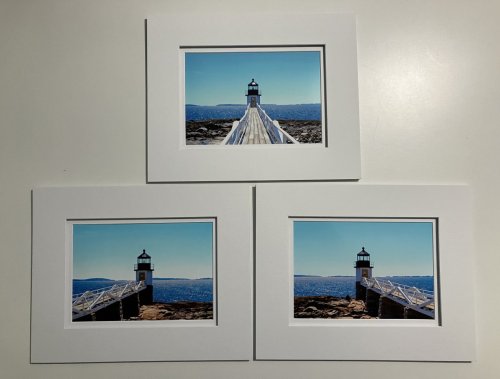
x=373 y=276
x=242 y=104
x=157 y=278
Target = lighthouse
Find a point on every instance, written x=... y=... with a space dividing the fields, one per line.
x=144 y=272
x=253 y=94
x=363 y=270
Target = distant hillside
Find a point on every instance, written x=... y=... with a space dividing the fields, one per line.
x=405 y=276
x=319 y=276
x=179 y=278
x=307 y=276
x=341 y=276
x=123 y=280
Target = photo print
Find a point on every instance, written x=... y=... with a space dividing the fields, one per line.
x=364 y=269
x=254 y=96
x=143 y=270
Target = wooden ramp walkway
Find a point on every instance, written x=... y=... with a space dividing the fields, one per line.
x=255 y=132
x=257 y=128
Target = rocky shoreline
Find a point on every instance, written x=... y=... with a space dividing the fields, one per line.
x=207 y=132
x=181 y=310
x=329 y=307
x=213 y=132
x=304 y=131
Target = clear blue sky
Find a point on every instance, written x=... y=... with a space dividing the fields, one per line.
x=222 y=78
x=396 y=248
x=182 y=249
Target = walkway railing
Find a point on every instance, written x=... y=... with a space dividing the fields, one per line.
x=91 y=301
x=235 y=136
x=417 y=299
x=276 y=134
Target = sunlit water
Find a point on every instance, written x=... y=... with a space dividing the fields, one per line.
x=164 y=291
x=276 y=112
x=168 y=291
x=342 y=286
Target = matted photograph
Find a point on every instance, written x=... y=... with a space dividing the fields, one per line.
x=274 y=103
x=254 y=96
x=149 y=270
x=364 y=272
x=141 y=273
x=364 y=269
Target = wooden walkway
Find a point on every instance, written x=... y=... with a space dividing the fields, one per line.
x=257 y=128
x=255 y=132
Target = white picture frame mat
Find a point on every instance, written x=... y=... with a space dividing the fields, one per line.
x=168 y=161
x=278 y=337
x=52 y=342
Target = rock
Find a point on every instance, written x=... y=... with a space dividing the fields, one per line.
x=328 y=307
x=177 y=311
x=336 y=303
x=207 y=132
x=357 y=306
x=304 y=131
x=311 y=309
x=322 y=305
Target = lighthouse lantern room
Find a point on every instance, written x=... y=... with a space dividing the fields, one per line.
x=144 y=272
x=253 y=94
x=363 y=270
x=144 y=269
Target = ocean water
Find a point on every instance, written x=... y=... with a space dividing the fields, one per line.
x=342 y=286
x=164 y=291
x=276 y=112
x=169 y=291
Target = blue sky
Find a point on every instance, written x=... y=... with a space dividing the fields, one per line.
x=286 y=77
x=182 y=249
x=396 y=248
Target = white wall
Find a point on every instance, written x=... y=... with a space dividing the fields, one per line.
x=72 y=113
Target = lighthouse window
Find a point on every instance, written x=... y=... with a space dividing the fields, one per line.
x=364 y=268
x=143 y=270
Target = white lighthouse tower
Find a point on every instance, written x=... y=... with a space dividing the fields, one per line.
x=144 y=272
x=253 y=94
x=363 y=270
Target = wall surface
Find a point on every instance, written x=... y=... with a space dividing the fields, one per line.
x=72 y=112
